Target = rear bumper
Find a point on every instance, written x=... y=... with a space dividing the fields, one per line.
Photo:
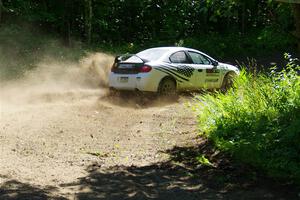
x=140 y=81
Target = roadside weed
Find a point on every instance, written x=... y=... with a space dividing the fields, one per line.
x=258 y=121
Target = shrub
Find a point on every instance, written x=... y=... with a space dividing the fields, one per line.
x=258 y=121
x=258 y=43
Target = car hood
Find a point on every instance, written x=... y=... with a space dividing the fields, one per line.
x=229 y=67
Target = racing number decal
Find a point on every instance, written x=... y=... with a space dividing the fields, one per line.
x=212 y=73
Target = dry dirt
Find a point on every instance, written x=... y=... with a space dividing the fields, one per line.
x=59 y=119
x=63 y=137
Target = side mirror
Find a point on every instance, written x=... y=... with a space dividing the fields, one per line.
x=215 y=63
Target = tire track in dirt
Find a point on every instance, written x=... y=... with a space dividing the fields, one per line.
x=56 y=121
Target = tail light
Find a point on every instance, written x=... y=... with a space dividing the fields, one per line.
x=145 y=69
x=114 y=67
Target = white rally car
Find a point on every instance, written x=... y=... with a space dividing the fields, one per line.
x=169 y=69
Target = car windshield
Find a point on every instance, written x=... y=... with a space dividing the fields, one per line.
x=149 y=55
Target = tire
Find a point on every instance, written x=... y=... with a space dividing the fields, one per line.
x=167 y=87
x=113 y=92
x=227 y=82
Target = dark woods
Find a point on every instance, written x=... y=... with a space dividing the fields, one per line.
x=1 y=10
x=142 y=20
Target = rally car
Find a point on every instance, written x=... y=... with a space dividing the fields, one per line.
x=166 y=70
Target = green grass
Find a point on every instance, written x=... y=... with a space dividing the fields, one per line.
x=203 y=160
x=258 y=121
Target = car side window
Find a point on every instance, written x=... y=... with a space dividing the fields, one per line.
x=198 y=58
x=179 y=57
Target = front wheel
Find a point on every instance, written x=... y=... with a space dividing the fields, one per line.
x=167 y=87
x=227 y=82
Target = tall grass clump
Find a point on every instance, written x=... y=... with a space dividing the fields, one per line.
x=258 y=121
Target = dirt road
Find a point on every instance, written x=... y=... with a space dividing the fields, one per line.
x=63 y=137
x=56 y=122
x=53 y=143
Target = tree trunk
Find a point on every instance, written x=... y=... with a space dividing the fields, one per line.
x=88 y=13
x=296 y=9
x=1 y=6
x=66 y=29
x=67 y=33
x=243 y=20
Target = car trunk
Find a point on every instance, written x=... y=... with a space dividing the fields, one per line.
x=126 y=68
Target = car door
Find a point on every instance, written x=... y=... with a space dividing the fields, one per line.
x=206 y=74
x=182 y=69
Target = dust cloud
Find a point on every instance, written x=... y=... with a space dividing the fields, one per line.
x=56 y=81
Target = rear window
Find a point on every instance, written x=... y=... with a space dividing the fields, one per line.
x=179 y=57
x=134 y=59
x=152 y=54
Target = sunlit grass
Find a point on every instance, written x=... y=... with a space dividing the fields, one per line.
x=258 y=121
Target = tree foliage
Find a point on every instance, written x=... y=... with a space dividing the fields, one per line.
x=144 y=20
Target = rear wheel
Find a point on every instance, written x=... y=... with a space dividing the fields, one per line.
x=227 y=82
x=167 y=87
x=113 y=92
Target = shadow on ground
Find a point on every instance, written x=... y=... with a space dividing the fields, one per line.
x=135 y=99
x=15 y=190
x=181 y=177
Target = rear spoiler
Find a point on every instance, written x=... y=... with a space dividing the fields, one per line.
x=124 y=57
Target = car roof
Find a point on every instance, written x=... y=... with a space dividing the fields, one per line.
x=162 y=55
x=173 y=48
